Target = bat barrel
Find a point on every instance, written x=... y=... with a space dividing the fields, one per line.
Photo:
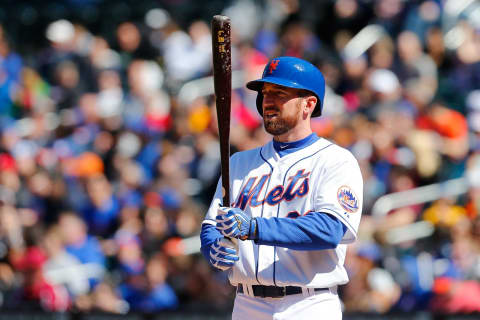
x=222 y=75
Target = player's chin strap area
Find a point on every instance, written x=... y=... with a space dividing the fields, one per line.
x=279 y=292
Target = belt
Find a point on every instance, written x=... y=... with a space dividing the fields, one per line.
x=275 y=292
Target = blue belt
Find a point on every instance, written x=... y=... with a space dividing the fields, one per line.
x=275 y=292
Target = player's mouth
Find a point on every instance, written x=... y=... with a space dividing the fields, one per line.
x=270 y=114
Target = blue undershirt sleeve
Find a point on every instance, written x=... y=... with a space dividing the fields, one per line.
x=314 y=231
x=208 y=236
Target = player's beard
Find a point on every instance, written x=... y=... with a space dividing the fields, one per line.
x=279 y=124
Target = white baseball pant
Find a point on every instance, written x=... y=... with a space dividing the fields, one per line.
x=308 y=305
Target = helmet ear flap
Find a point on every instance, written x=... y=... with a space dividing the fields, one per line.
x=317 y=111
x=260 y=102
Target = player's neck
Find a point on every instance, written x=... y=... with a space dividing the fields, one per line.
x=295 y=134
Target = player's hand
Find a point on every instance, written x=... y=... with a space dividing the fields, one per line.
x=234 y=223
x=223 y=254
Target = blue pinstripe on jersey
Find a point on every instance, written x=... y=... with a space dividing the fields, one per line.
x=263 y=206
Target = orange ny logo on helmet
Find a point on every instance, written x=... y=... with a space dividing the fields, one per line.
x=273 y=65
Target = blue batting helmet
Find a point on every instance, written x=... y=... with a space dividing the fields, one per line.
x=293 y=73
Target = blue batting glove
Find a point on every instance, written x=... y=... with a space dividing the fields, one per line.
x=223 y=254
x=234 y=223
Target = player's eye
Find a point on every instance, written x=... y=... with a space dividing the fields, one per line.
x=275 y=93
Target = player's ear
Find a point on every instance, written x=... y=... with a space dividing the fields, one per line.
x=311 y=102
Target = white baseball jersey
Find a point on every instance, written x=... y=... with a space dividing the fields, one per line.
x=321 y=177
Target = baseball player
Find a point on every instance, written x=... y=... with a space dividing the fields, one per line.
x=296 y=203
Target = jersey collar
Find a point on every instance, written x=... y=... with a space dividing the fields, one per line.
x=284 y=148
x=270 y=155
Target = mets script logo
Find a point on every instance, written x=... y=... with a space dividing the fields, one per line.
x=347 y=199
x=253 y=193
x=273 y=65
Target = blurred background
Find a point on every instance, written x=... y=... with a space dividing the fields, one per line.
x=109 y=150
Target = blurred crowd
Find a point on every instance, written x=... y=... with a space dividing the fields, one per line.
x=105 y=169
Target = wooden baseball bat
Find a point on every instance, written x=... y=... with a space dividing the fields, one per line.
x=222 y=75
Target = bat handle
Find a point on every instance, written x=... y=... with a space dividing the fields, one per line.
x=226 y=203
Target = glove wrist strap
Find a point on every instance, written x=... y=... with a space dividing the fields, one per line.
x=253 y=231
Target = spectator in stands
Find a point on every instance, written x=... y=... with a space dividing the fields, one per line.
x=83 y=246
x=148 y=290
